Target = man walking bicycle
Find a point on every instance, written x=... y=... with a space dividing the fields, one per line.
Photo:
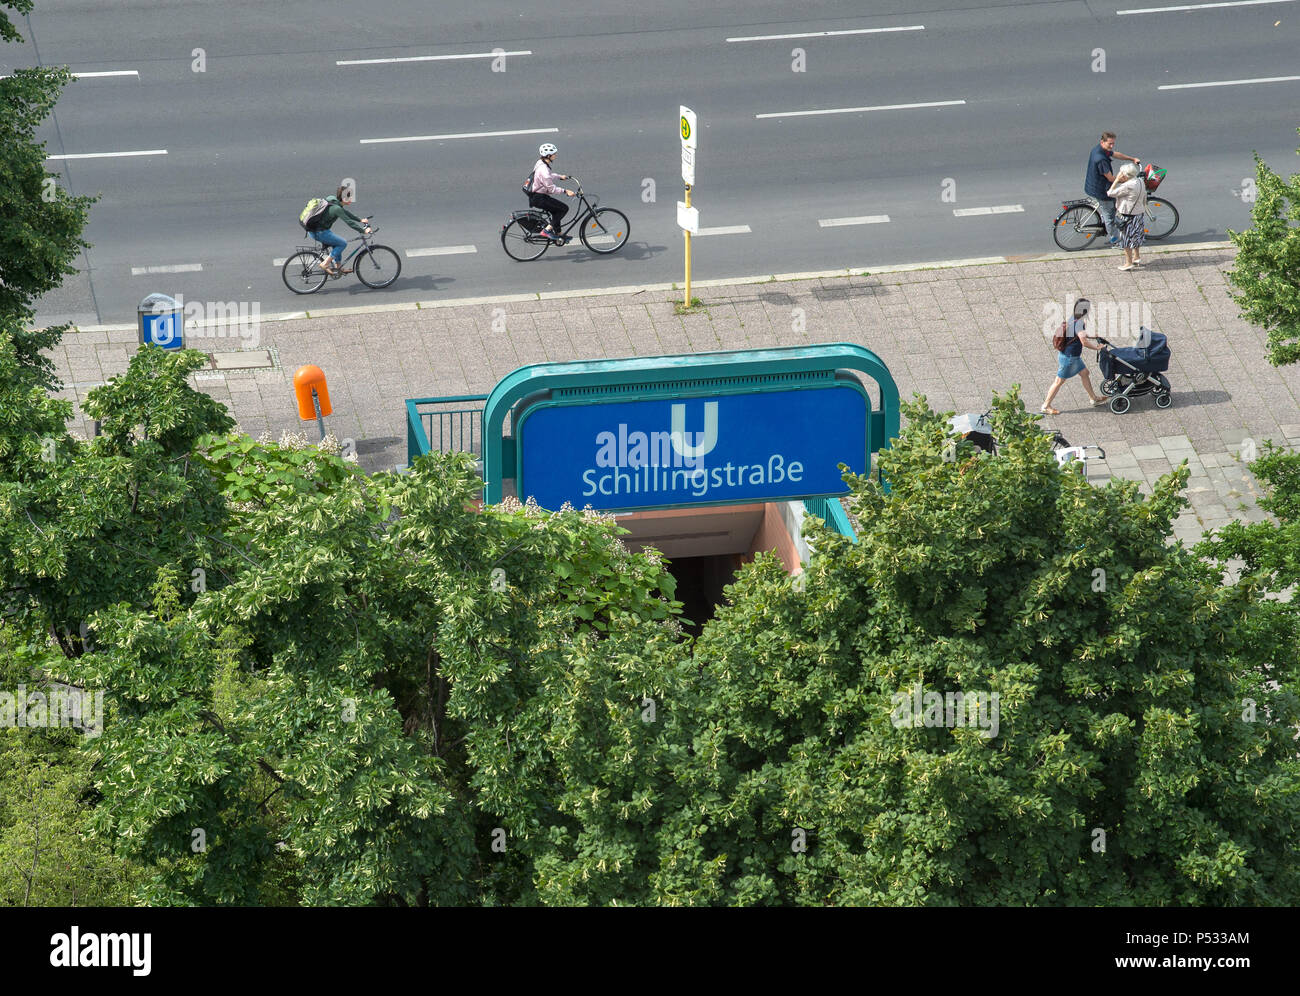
x=1098 y=179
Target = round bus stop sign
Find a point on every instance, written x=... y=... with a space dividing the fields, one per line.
x=687 y=129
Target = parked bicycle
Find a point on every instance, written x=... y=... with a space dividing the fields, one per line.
x=1079 y=224
x=602 y=230
x=376 y=266
x=978 y=430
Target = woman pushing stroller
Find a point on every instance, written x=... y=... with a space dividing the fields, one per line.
x=1069 y=357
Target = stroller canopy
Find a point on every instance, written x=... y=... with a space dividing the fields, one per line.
x=1151 y=359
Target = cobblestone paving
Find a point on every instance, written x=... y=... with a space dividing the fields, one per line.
x=955 y=334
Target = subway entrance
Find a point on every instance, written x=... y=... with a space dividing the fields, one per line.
x=711 y=458
x=705 y=547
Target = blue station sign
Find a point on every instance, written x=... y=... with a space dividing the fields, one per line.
x=759 y=446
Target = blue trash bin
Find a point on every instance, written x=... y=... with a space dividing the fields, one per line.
x=161 y=322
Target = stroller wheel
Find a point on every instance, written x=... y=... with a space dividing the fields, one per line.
x=1108 y=387
x=1119 y=405
x=1164 y=400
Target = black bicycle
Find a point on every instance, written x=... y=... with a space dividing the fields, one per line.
x=1079 y=224
x=375 y=266
x=602 y=230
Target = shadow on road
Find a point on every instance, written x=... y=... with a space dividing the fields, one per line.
x=633 y=251
x=425 y=281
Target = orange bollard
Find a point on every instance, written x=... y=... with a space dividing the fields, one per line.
x=304 y=380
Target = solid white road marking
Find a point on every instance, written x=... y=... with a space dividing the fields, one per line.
x=1193 y=86
x=725 y=230
x=999 y=209
x=1199 y=6
x=140 y=271
x=826 y=34
x=866 y=219
x=860 y=110
x=441 y=251
x=428 y=58
x=468 y=134
x=82 y=76
x=110 y=155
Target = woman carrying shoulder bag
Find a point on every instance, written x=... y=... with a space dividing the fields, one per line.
x=1130 y=194
x=1069 y=357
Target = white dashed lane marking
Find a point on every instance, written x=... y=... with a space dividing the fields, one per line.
x=997 y=209
x=866 y=219
x=141 y=271
x=467 y=134
x=827 y=34
x=109 y=155
x=441 y=251
x=725 y=230
x=430 y=58
x=1194 y=86
x=1199 y=6
x=861 y=110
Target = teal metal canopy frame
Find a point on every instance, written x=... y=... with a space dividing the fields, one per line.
x=687 y=375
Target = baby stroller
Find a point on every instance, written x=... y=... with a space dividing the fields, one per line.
x=1132 y=371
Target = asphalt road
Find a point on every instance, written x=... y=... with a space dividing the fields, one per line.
x=273 y=119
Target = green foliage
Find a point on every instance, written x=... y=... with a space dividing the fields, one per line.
x=75 y=512
x=47 y=854
x=1120 y=709
x=369 y=697
x=1270 y=550
x=1267 y=268
x=387 y=695
x=8 y=32
x=47 y=857
x=40 y=223
x=258 y=473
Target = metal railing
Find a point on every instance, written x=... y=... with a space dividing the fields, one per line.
x=830 y=511
x=434 y=425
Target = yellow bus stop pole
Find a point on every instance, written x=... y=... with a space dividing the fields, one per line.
x=687 y=302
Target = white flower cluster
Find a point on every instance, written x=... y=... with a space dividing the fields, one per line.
x=330 y=445
x=512 y=506
x=296 y=441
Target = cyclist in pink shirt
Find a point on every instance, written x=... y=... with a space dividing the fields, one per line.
x=542 y=189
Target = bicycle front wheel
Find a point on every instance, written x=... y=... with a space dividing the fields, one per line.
x=377 y=266
x=1073 y=229
x=605 y=230
x=1162 y=218
x=521 y=244
x=302 y=273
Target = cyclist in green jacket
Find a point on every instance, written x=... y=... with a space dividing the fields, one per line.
x=338 y=208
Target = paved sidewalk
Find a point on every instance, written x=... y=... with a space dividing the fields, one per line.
x=954 y=334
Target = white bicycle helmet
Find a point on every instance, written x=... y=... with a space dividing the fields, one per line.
x=547 y=149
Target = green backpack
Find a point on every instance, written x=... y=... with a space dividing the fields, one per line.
x=313 y=213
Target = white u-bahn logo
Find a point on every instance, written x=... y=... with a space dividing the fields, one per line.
x=710 y=435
